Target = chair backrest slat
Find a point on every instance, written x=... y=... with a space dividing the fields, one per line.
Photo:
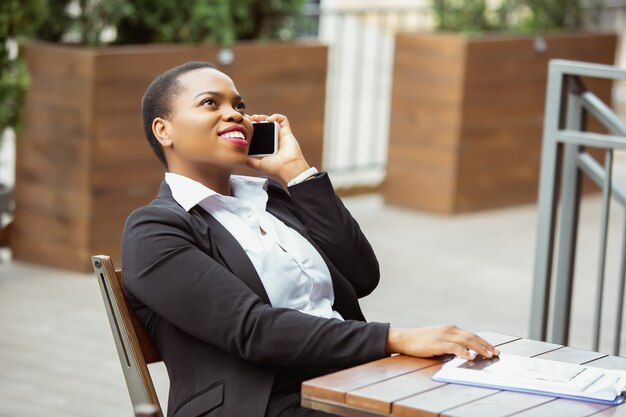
x=149 y=351
x=134 y=346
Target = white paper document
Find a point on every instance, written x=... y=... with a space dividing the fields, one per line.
x=538 y=376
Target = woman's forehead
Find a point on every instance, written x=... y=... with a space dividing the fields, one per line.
x=206 y=79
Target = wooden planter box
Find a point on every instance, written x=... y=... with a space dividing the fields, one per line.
x=467 y=116
x=83 y=163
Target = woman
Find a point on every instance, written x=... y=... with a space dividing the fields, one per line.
x=248 y=288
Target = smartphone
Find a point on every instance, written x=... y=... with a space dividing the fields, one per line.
x=264 y=141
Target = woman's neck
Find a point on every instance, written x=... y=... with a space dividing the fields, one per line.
x=217 y=179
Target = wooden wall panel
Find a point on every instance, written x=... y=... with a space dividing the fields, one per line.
x=422 y=177
x=496 y=135
x=52 y=159
x=425 y=119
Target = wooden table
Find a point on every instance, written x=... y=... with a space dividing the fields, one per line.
x=402 y=386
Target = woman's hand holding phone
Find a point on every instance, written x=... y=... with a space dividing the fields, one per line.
x=288 y=162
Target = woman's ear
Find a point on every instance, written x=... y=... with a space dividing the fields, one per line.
x=160 y=128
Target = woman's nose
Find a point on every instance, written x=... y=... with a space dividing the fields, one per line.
x=232 y=115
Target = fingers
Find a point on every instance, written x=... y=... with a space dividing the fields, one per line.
x=460 y=351
x=469 y=341
x=464 y=343
x=489 y=349
x=280 y=119
x=257 y=117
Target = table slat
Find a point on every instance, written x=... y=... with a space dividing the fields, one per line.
x=502 y=404
x=497 y=338
x=335 y=386
x=436 y=401
x=571 y=355
x=380 y=396
x=564 y=408
x=527 y=347
x=335 y=408
x=609 y=362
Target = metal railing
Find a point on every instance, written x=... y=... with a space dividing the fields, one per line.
x=564 y=160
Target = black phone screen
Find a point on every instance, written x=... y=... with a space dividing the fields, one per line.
x=263 y=139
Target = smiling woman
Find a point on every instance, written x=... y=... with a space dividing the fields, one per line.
x=248 y=286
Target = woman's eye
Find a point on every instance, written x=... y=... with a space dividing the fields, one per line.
x=240 y=106
x=207 y=101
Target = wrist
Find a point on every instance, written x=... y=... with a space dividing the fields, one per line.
x=293 y=169
x=394 y=340
x=305 y=176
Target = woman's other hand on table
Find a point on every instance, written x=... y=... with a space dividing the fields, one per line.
x=438 y=340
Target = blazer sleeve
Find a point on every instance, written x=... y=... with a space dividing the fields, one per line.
x=166 y=271
x=336 y=232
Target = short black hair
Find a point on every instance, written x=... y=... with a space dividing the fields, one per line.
x=157 y=100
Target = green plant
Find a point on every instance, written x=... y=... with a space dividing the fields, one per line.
x=461 y=15
x=151 y=21
x=510 y=15
x=555 y=14
x=17 y=18
x=82 y=21
x=218 y=21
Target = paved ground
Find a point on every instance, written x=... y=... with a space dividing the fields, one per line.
x=57 y=356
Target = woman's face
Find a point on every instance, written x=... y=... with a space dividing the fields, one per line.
x=207 y=123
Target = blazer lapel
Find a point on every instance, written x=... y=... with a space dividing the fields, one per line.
x=232 y=254
x=288 y=218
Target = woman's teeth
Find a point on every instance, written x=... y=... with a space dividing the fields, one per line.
x=234 y=134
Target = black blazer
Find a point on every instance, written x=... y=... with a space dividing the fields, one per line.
x=207 y=311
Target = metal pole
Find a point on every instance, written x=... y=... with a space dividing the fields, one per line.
x=620 y=295
x=606 y=197
x=546 y=207
x=570 y=202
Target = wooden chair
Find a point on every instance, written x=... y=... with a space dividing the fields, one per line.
x=134 y=347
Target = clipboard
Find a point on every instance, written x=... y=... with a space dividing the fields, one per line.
x=537 y=376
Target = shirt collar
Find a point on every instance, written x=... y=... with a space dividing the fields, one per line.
x=188 y=192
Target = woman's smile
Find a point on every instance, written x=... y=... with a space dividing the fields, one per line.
x=235 y=134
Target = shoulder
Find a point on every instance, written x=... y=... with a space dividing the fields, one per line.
x=158 y=210
x=157 y=222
